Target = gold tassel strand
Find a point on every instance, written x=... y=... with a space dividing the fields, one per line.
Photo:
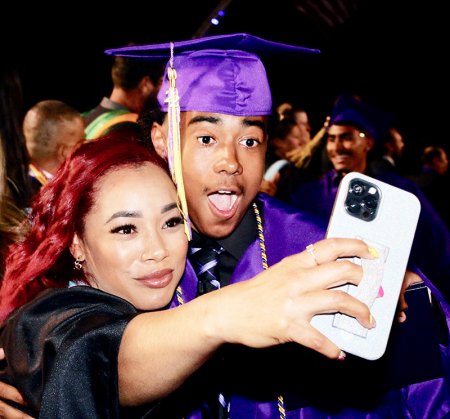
x=173 y=145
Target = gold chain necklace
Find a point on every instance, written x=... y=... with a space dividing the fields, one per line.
x=262 y=249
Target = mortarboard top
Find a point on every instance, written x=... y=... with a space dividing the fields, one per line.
x=236 y=41
x=350 y=110
x=220 y=74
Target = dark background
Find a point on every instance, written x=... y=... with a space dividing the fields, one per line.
x=390 y=52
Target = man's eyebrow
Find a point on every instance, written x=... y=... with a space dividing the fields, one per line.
x=204 y=118
x=254 y=123
x=341 y=134
x=215 y=120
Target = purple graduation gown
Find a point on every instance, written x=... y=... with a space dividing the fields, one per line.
x=287 y=232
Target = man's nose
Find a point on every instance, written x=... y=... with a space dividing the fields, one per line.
x=228 y=161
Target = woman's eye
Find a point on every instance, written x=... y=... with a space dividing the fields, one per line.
x=205 y=140
x=125 y=229
x=249 y=142
x=173 y=222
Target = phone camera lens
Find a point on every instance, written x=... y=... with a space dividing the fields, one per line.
x=370 y=203
x=353 y=206
x=366 y=214
x=358 y=189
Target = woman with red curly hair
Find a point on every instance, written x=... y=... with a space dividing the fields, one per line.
x=109 y=220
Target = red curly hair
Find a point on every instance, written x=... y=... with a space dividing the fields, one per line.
x=43 y=259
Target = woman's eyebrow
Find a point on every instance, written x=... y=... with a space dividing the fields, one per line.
x=119 y=214
x=169 y=207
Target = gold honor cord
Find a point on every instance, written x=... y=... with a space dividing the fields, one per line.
x=38 y=174
x=265 y=265
x=173 y=145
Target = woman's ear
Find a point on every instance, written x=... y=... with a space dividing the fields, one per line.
x=77 y=248
x=159 y=140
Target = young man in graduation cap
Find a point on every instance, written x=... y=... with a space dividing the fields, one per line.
x=355 y=129
x=220 y=88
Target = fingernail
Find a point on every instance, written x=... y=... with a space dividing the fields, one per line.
x=372 y=321
x=401 y=318
x=341 y=356
x=373 y=252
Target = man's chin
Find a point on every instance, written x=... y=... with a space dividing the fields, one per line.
x=341 y=168
x=219 y=231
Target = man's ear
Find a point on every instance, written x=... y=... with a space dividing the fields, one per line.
x=278 y=143
x=63 y=151
x=276 y=140
x=370 y=143
x=159 y=140
x=146 y=86
x=77 y=248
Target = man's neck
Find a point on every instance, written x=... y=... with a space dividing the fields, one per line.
x=130 y=99
x=389 y=158
x=242 y=236
x=360 y=169
x=48 y=167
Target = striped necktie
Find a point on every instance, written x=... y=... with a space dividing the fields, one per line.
x=205 y=263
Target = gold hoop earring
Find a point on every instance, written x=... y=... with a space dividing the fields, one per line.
x=78 y=264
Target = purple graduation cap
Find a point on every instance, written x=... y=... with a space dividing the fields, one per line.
x=219 y=74
x=350 y=110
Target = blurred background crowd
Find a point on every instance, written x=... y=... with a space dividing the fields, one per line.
x=389 y=54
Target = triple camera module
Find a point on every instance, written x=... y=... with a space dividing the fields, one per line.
x=362 y=200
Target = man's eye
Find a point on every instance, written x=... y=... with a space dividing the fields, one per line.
x=125 y=229
x=205 y=140
x=249 y=142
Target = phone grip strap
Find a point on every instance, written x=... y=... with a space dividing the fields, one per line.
x=367 y=291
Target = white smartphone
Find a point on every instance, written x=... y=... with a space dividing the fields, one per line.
x=386 y=218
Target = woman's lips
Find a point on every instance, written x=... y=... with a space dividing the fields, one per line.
x=158 y=279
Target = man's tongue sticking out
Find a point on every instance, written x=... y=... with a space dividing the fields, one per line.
x=223 y=201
